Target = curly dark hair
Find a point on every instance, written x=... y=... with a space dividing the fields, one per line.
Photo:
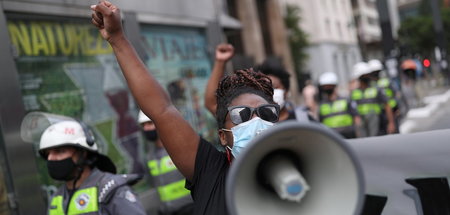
x=277 y=70
x=238 y=83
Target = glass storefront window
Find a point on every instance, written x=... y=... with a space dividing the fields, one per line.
x=4 y=205
x=178 y=58
x=4 y=202
x=66 y=68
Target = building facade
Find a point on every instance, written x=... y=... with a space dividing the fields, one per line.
x=332 y=37
x=262 y=36
x=367 y=21
x=368 y=28
x=408 y=8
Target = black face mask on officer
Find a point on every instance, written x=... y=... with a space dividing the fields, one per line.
x=151 y=135
x=365 y=79
x=62 y=170
x=328 y=91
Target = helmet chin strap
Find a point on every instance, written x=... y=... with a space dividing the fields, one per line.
x=80 y=167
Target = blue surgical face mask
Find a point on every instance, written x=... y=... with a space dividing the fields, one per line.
x=244 y=132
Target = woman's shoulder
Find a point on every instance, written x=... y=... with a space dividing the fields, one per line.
x=210 y=164
x=209 y=150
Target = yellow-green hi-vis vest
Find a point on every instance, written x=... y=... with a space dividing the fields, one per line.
x=83 y=201
x=170 y=182
x=366 y=101
x=336 y=114
x=384 y=83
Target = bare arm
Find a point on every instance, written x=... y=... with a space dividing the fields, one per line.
x=390 y=116
x=357 y=120
x=390 y=127
x=178 y=137
x=224 y=52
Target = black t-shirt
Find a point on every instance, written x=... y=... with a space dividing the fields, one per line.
x=208 y=183
x=292 y=115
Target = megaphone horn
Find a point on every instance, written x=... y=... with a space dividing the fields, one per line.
x=296 y=168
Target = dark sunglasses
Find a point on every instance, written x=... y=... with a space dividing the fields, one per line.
x=240 y=114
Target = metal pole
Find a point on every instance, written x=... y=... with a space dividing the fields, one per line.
x=440 y=38
x=214 y=30
x=386 y=29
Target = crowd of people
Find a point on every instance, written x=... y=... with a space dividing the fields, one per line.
x=188 y=172
x=370 y=110
x=375 y=102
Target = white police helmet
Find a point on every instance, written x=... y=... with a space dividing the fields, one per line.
x=66 y=133
x=328 y=78
x=360 y=69
x=375 y=65
x=73 y=133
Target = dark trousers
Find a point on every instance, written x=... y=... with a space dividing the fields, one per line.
x=384 y=121
x=185 y=210
x=348 y=134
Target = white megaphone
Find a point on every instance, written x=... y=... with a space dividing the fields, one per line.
x=296 y=168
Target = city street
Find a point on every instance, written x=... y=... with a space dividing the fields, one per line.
x=95 y=93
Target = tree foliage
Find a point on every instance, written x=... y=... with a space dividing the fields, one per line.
x=416 y=34
x=298 y=40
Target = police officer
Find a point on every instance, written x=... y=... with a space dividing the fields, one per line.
x=336 y=112
x=370 y=103
x=391 y=92
x=91 y=187
x=408 y=74
x=175 y=199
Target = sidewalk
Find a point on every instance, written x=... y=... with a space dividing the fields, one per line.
x=418 y=119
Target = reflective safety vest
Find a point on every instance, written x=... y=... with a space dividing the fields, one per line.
x=384 y=84
x=366 y=101
x=336 y=114
x=83 y=201
x=170 y=183
x=96 y=195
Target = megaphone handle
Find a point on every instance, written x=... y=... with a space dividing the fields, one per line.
x=285 y=178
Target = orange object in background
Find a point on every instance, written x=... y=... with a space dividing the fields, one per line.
x=409 y=64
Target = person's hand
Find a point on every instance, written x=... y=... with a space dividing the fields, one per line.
x=391 y=128
x=106 y=17
x=224 y=52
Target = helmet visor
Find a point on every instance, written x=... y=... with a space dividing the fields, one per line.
x=35 y=123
